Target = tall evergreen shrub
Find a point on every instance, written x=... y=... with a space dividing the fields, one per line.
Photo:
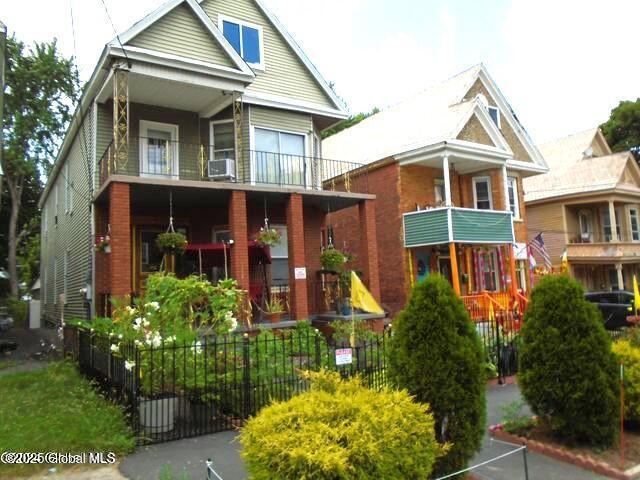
x=567 y=370
x=437 y=356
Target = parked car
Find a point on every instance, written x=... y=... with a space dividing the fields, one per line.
x=615 y=307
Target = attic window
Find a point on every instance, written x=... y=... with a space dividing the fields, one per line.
x=245 y=38
x=494 y=113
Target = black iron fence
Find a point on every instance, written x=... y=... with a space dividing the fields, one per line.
x=174 y=391
x=501 y=341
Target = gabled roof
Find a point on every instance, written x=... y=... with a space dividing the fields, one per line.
x=437 y=114
x=590 y=175
x=163 y=10
x=573 y=148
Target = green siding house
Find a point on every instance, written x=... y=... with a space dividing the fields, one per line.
x=208 y=113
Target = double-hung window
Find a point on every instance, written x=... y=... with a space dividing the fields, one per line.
x=634 y=224
x=482 y=193
x=158 y=149
x=279 y=158
x=280 y=257
x=245 y=38
x=606 y=225
x=514 y=206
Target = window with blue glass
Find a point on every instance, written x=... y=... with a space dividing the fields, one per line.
x=245 y=39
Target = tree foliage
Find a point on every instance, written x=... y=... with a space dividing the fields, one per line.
x=341 y=430
x=41 y=87
x=349 y=122
x=567 y=371
x=437 y=356
x=622 y=130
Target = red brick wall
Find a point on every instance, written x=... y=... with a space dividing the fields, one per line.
x=299 y=309
x=240 y=236
x=120 y=256
x=369 y=246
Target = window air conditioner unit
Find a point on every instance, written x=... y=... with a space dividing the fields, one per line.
x=222 y=169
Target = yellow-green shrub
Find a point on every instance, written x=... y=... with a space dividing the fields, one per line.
x=629 y=355
x=341 y=430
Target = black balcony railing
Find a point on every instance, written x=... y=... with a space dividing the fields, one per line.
x=163 y=158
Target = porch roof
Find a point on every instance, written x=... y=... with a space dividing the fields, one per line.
x=153 y=191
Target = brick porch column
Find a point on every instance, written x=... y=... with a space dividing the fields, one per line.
x=299 y=307
x=240 y=235
x=369 y=246
x=120 y=256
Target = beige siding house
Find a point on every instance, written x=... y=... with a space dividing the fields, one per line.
x=211 y=111
x=589 y=205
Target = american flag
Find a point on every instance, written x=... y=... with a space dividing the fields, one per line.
x=537 y=245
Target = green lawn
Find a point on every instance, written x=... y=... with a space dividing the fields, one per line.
x=56 y=409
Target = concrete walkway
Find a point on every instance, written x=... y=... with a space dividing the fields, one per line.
x=187 y=458
x=512 y=467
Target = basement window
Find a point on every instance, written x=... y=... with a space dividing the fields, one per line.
x=245 y=38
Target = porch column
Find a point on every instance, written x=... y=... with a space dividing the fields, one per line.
x=298 y=295
x=512 y=268
x=505 y=188
x=369 y=246
x=613 y=223
x=620 y=276
x=120 y=284
x=447 y=180
x=240 y=236
x=455 y=277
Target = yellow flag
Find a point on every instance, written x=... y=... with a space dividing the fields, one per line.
x=636 y=293
x=361 y=298
x=492 y=315
x=565 y=262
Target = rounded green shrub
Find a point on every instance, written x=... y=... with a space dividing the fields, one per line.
x=628 y=354
x=567 y=370
x=437 y=356
x=341 y=430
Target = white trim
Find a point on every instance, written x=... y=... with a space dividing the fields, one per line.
x=212 y=145
x=242 y=23
x=447 y=180
x=449 y=225
x=464 y=209
x=178 y=62
x=637 y=215
x=296 y=48
x=173 y=130
x=475 y=180
x=526 y=166
x=276 y=101
x=458 y=148
x=489 y=126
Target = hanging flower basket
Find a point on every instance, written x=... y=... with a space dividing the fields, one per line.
x=171 y=242
x=332 y=259
x=268 y=236
x=102 y=244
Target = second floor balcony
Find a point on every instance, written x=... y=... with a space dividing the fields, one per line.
x=164 y=158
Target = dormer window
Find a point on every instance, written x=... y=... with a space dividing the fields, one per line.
x=245 y=38
x=494 y=113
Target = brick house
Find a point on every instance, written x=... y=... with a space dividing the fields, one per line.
x=446 y=166
x=588 y=205
x=207 y=112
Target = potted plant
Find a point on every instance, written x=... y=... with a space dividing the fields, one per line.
x=103 y=244
x=268 y=236
x=332 y=259
x=171 y=243
x=274 y=309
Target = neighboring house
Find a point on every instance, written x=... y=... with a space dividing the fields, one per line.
x=446 y=166
x=208 y=112
x=588 y=204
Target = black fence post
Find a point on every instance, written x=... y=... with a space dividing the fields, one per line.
x=498 y=353
x=246 y=375
x=318 y=353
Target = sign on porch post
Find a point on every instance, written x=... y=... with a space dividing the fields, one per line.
x=300 y=273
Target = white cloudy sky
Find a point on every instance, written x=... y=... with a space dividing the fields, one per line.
x=563 y=65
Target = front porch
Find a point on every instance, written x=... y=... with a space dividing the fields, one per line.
x=220 y=222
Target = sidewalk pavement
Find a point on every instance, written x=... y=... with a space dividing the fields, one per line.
x=187 y=457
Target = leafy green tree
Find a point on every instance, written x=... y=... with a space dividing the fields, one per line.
x=437 y=356
x=41 y=87
x=567 y=370
x=622 y=130
x=349 y=122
